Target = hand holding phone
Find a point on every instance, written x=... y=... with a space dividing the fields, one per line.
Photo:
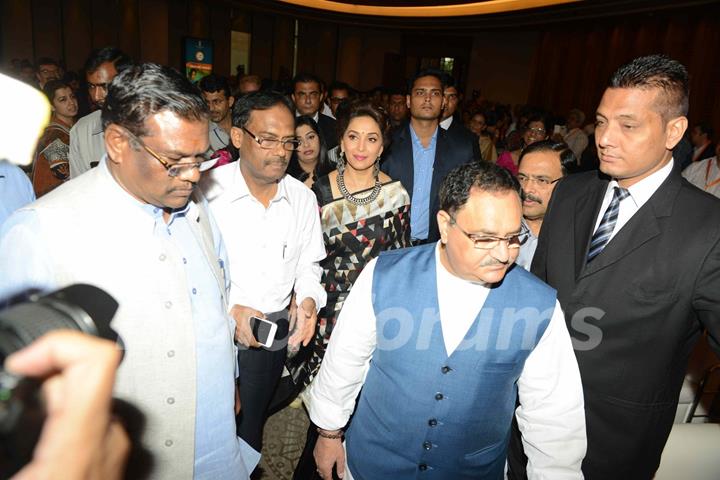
x=263 y=330
x=243 y=332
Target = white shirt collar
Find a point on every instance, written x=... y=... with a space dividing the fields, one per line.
x=445 y=124
x=237 y=188
x=645 y=188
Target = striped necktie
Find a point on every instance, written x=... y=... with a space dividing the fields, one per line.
x=602 y=235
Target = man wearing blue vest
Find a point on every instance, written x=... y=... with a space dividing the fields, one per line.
x=456 y=335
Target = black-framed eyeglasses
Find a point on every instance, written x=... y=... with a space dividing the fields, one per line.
x=174 y=167
x=540 y=181
x=289 y=144
x=486 y=242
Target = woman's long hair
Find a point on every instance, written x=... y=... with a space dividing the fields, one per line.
x=323 y=166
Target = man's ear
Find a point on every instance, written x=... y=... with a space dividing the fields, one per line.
x=231 y=102
x=236 y=136
x=117 y=143
x=443 y=219
x=407 y=101
x=674 y=131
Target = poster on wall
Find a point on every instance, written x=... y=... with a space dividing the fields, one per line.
x=198 y=58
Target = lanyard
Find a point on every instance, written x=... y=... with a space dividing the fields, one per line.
x=707 y=175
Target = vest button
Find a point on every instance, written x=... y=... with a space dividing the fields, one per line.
x=439 y=396
x=422 y=467
x=445 y=369
x=427 y=445
x=432 y=422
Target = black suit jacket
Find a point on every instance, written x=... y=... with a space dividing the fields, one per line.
x=461 y=133
x=635 y=312
x=328 y=130
x=398 y=164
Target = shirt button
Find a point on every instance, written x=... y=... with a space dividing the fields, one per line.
x=168 y=443
x=422 y=467
x=445 y=369
x=427 y=445
x=168 y=304
x=194 y=290
x=439 y=396
x=185 y=260
x=170 y=400
x=171 y=353
x=432 y=422
x=162 y=257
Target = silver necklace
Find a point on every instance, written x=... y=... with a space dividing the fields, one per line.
x=353 y=199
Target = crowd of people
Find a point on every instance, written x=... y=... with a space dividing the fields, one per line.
x=454 y=290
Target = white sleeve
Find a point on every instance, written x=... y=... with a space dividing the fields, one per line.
x=551 y=415
x=74 y=156
x=308 y=271
x=331 y=396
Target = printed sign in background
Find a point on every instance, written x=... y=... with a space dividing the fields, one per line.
x=198 y=58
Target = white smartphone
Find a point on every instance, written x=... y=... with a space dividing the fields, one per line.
x=263 y=331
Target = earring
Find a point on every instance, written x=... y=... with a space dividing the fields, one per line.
x=376 y=167
x=341 y=163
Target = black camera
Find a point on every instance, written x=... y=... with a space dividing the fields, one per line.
x=82 y=308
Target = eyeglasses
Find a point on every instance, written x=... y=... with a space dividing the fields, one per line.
x=540 y=181
x=536 y=131
x=175 y=169
x=289 y=144
x=489 y=242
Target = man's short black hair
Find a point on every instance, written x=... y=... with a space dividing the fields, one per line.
x=215 y=83
x=706 y=128
x=488 y=177
x=140 y=91
x=104 y=55
x=566 y=156
x=426 y=72
x=262 y=100
x=306 y=78
x=46 y=61
x=336 y=85
x=448 y=81
x=662 y=72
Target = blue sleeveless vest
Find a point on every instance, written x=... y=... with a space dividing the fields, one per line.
x=422 y=414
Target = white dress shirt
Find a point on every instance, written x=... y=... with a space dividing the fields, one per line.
x=551 y=415
x=639 y=194
x=272 y=251
x=705 y=175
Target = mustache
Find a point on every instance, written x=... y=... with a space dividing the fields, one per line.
x=491 y=262
x=530 y=196
x=282 y=161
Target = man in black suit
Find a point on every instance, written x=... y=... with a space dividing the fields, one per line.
x=308 y=96
x=450 y=119
x=421 y=154
x=634 y=254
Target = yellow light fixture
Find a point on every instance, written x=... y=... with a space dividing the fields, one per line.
x=463 y=9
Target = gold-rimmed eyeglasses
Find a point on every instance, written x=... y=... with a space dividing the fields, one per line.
x=175 y=167
x=487 y=242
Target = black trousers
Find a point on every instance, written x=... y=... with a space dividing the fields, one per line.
x=259 y=372
x=307 y=468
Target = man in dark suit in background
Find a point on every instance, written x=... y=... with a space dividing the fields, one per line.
x=635 y=257
x=451 y=120
x=421 y=154
x=308 y=96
